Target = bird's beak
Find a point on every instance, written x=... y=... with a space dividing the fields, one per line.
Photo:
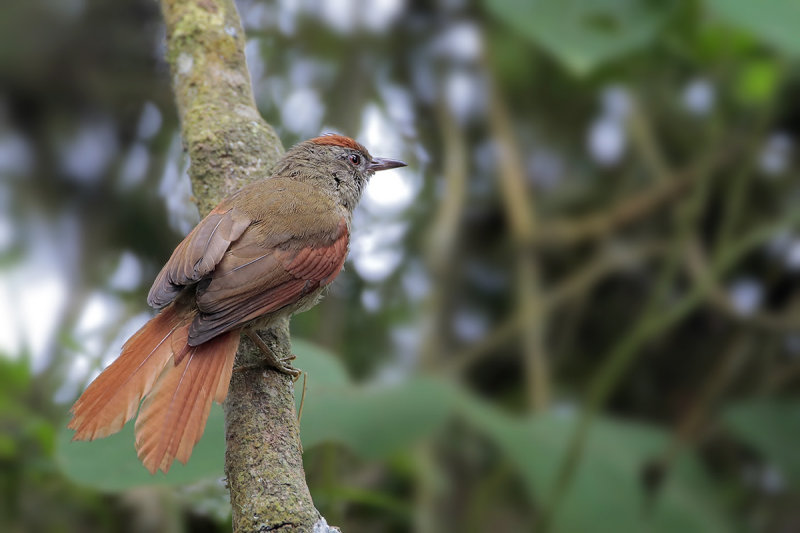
x=385 y=164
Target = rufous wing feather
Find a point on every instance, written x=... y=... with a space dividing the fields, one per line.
x=174 y=414
x=113 y=397
x=251 y=280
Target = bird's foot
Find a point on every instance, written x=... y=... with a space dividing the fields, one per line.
x=281 y=364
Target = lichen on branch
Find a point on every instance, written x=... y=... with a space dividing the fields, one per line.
x=227 y=141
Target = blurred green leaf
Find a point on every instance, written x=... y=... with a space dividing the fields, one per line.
x=372 y=421
x=771 y=426
x=583 y=34
x=720 y=41
x=607 y=494
x=15 y=377
x=757 y=82
x=8 y=447
x=375 y=421
x=320 y=366
x=775 y=22
x=111 y=464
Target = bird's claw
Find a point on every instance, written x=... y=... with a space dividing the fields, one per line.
x=282 y=365
x=285 y=366
x=279 y=365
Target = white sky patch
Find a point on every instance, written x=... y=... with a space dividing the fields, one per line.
x=101 y=309
x=345 y=16
x=176 y=189
x=377 y=265
x=255 y=61
x=134 y=166
x=86 y=154
x=302 y=112
x=371 y=300
x=616 y=101
x=16 y=155
x=390 y=191
x=699 y=96
x=399 y=108
x=341 y=15
x=376 y=245
x=128 y=275
x=463 y=94
x=74 y=379
x=304 y=72
x=7 y=230
x=287 y=15
x=376 y=250
x=40 y=303
x=425 y=79
x=35 y=291
x=746 y=295
x=776 y=154
x=461 y=41
x=149 y=121
x=378 y=133
x=792 y=255
x=407 y=339
x=607 y=140
x=416 y=282
x=379 y=15
x=10 y=336
x=470 y=325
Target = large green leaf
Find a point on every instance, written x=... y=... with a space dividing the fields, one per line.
x=374 y=421
x=775 y=22
x=606 y=494
x=583 y=34
x=771 y=426
x=320 y=366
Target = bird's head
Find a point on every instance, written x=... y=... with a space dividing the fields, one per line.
x=336 y=163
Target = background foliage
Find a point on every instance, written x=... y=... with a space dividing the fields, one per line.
x=576 y=310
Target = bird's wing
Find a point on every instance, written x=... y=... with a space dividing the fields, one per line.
x=198 y=254
x=256 y=277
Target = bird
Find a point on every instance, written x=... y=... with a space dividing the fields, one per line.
x=263 y=254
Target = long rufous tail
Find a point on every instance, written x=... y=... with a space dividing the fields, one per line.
x=179 y=382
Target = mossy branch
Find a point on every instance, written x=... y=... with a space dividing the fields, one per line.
x=230 y=145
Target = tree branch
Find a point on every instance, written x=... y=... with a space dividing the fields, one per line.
x=525 y=228
x=230 y=145
x=228 y=142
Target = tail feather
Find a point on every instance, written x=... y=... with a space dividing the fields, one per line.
x=112 y=398
x=174 y=414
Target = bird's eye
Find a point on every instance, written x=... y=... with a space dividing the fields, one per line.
x=355 y=159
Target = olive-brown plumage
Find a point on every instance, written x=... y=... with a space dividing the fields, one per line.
x=263 y=253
